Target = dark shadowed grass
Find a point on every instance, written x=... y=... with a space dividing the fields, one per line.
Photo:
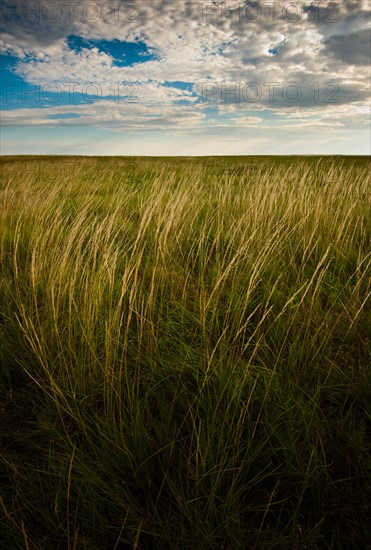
x=185 y=355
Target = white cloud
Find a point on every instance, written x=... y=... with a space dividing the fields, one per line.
x=196 y=45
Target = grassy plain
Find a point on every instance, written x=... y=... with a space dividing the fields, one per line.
x=185 y=353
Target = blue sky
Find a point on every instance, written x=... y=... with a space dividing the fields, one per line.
x=184 y=77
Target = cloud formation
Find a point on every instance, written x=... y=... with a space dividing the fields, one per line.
x=195 y=65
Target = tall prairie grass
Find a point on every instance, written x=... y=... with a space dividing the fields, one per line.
x=185 y=355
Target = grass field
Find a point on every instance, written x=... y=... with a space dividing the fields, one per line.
x=185 y=353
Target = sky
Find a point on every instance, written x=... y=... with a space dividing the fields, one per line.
x=180 y=77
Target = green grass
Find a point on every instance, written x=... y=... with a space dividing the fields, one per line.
x=185 y=353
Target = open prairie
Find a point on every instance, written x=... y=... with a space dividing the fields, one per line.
x=185 y=353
